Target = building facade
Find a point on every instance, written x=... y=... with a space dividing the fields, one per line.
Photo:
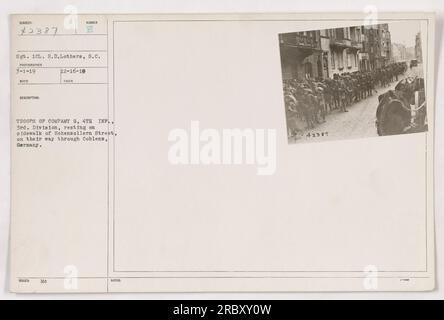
x=301 y=55
x=385 y=54
x=340 y=47
x=377 y=47
x=325 y=53
x=399 y=52
x=418 y=48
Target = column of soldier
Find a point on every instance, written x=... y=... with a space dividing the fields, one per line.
x=313 y=99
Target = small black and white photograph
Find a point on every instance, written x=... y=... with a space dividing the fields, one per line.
x=354 y=82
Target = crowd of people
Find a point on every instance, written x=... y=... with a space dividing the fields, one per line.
x=312 y=99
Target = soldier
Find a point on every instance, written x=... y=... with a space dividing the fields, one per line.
x=357 y=94
x=303 y=105
x=342 y=93
x=292 y=113
x=336 y=93
x=328 y=95
x=370 y=84
x=321 y=107
x=348 y=91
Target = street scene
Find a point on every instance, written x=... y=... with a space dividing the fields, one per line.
x=353 y=82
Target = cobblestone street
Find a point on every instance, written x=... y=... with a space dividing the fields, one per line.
x=358 y=122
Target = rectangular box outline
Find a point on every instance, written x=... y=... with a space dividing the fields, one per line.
x=114 y=22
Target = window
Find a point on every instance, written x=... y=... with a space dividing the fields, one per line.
x=341 y=61
x=308 y=70
x=339 y=33
x=332 y=55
